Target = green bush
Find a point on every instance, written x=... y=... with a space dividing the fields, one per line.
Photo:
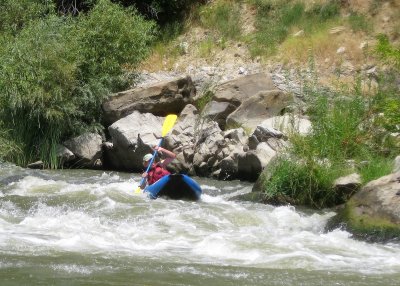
x=15 y=15
x=57 y=70
x=388 y=52
x=163 y=11
x=303 y=182
x=224 y=17
x=347 y=127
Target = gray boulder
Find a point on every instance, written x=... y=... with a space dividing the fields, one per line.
x=182 y=135
x=259 y=107
x=396 y=167
x=87 y=149
x=238 y=90
x=374 y=212
x=159 y=99
x=218 y=111
x=287 y=124
x=346 y=186
x=251 y=163
x=132 y=137
x=64 y=154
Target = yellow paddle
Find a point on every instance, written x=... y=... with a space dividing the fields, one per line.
x=167 y=126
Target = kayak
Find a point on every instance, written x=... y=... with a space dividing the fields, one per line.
x=176 y=187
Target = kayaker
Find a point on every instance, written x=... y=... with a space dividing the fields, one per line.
x=158 y=169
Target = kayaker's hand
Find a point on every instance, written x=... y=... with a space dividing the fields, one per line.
x=158 y=149
x=144 y=175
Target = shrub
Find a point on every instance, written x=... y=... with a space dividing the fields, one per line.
x=56 y=72
x=347 y=126
x=224 y=17
x=303 y=182
x=15 y=15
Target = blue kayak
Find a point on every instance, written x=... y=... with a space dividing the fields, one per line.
x=176 y=187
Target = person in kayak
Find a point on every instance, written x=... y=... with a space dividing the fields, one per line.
x=158 y=169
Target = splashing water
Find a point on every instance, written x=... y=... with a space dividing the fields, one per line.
x=91 y=227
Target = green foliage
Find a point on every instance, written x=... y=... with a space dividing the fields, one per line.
x=387 y=103
x=388 y=52
x=375 y=167
x=163 y=11
x=224 y=17
x=348 y=126
x=303 y=182
x=15 y=15
x=337 y=126
x=56 y=71
x=202 y=101
x=276 y=18
x=111 y=36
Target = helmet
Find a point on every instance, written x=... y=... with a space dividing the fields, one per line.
x=147 y=157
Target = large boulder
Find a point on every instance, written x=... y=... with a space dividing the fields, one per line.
x=287 y=124
x=396 y=167
x=132 y=137
x=238 y=90
x=259 y=107
x=218 y=111
x=346 y=186
x=373 y=213
x=182 y=135
x=251 y=163
x=159 y=99
x=86 y=149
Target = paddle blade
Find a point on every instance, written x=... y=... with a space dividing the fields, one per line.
x=138 y=190
x=168 y=124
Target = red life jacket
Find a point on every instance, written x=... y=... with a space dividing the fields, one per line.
x=156 y=172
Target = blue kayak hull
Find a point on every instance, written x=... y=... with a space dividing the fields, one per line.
x=176 y=187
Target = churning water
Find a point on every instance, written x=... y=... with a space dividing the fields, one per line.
x=75 y=227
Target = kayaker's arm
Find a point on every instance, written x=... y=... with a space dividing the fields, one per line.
x=144 y=181
x=170 y=156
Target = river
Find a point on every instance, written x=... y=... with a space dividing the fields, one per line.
x=83 y=227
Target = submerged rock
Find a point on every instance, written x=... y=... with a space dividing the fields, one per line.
x=374 y=212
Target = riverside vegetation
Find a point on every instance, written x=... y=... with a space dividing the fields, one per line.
x=58 y=64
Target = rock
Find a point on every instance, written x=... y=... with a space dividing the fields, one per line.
x=87 y=149
x=346 y=186
x=36 y=165
x=299 y=33
x=251 y=163
x=372 y=72
x=218 y=111
x=396 y=167
x=182 y=136
x=64 y=154
x=228 y=167
x=259 y=107
x=184 y=47
x=363 y=45
x=347 y=68
x=243 y=71
x=373 y=213
x=262 y=134
x=337 y=30
x=287 y=124
x=238 y=90
x=237 y=136
x=160 y=99
x=341 y=50
x=132 y=137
